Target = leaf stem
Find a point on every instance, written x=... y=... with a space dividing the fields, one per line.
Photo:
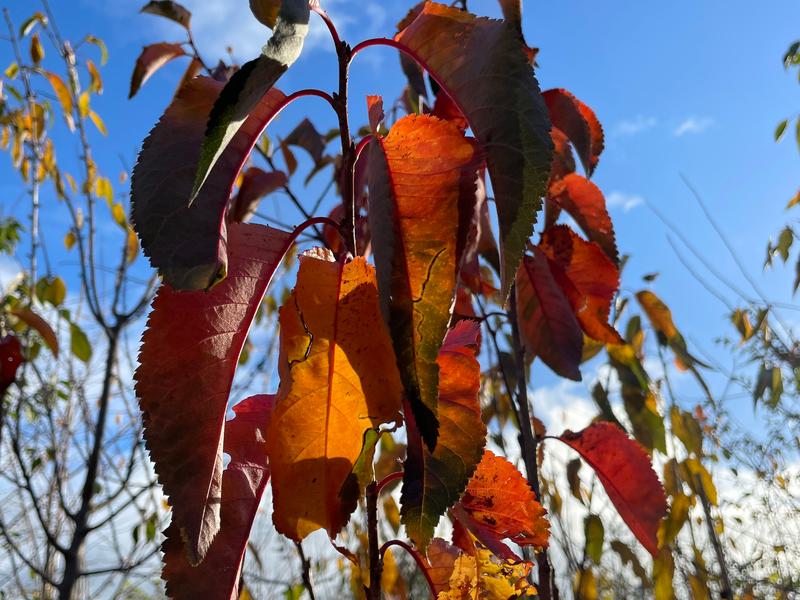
x=375 y=557
x=389 y=479
x=418 y=558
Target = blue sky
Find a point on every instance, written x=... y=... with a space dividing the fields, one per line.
x=682 y=88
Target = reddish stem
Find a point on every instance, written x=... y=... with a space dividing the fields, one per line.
x=310 y=223
x=421 y=562
x=309 y=92
x=363 y=144
x=389 y=479
x=327 y=20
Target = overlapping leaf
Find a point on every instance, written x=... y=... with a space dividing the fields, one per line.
x=499 y=504
x=187 y=361
x=243 y=483
x=505 y=111
x=434 y=481
x=585 y=203
x=627 y=475
x=588 y=277
x=547 y=323
x=338 y=380
x=416 y=178
x=187 y=244
x=256 y=183
x=579 y=123
x=249 y=85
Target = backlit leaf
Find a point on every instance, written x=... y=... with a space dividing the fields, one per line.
x=579 y=123
x=40 y=326
x=151 y=59
x=64 y=97
x=306 y=136
x=585 y=203
x=594 y=533
x=10 y=360
x=256 y=183
x=79 y=343
x=627 y=475
x=243 y=483
x=266 y=11
x=547 y=323
x=249 y=85
x=169 y=10
x=187 y=244
x=588 y=278
x=506 y=113
x=338 y=379
x=499 y=504
x=434 y=481
x=416 y=177
x=188 y=357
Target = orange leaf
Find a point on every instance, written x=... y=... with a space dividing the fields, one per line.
x=547 y=323
x=38 y=324
x=187 y=361
x=579 y=122
x=416 y=178
x=434 y=481
x=506 y=114
x=627 y=475
x=588 y=278
x=499 y=504
x=151 y=59
x=585 y=203
x=243 y=483
x=338 y=379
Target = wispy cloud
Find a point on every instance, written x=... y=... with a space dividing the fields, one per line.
x=634 y=126
x=693 y=125
x=623 y=201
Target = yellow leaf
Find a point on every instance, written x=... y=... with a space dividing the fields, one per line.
x=96 y=84
x=83 y=105
x=131 y=245
x=118 y=212
x=69 y=240
x=337 y=364
x=37 y=51
x=98 y=122
x=63 y=95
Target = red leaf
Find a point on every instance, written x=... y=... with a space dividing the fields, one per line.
x=151 y=59
x=627 y=475
x=10 y=360
x=499 y=504
x=584 y=201
x=588 y=277
x=547 y=323
x=579 y=122
x=256 y=184
x=187 y=244
x=187 y=361
x=375 y=112
x=506 y=114
x=243 y=483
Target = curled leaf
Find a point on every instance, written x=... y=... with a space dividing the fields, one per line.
x=39 y=325
x=151 y=59
x=169 y=10
x=579 y=123
x=256 y=183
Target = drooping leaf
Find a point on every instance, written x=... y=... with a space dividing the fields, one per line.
x=79 y=343
x=169 y=10
x=506 y=112
x=660 y=318
x=627 y=475
x=187 y=244
x=249 y=85
x=594 y=533
x=187 y=360
x=51 y=289
x=628 y=556
x=306 y=136
x=585 y=203
x=338 y=379
x=375 y=112
x=498 y=505
x=151 y=59
x=416 y=178
x=39 y=325
x=579 y=123
x=64 y=97
x=547 y=323
x=588 y=278
x=256 y=183
x=434 y=481
x=10 y=360
x=243 y=483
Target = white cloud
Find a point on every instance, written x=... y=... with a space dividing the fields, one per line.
x=623 y=201
x=634 y=126
x=693 y=125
